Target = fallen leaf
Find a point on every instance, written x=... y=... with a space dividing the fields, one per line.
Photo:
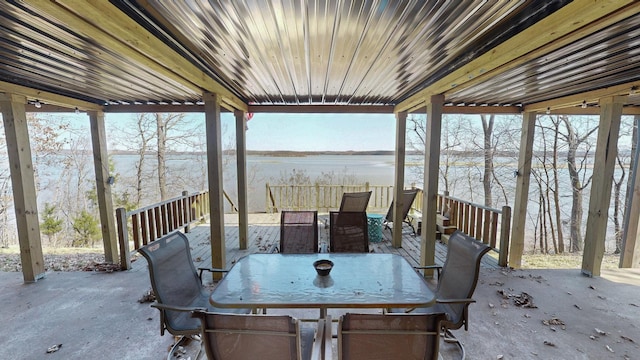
x=627 y=338
x=553 y=321
x=600 y=332
x=54 y=348
x=524 y=300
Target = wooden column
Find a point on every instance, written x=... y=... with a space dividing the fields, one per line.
x=523 y=176
x=600 y=198
x=398 y=183
x=214 y=161
x=630 y=256
x=241 y=169
x=24 y=188
x=431 y=171
x=103 y=188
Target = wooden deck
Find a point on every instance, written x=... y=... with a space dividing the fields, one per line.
x=264 y=232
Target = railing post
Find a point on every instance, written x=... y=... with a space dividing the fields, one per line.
x=505 y=230
x=123 y=239
x=187 y=220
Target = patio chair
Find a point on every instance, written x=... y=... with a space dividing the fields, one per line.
x=298 y=232
x=407 y=200
x=177 y=286
x=355 y=201
x=265 y=337
x=389 y=336
x=348 y=232
x=457 y=280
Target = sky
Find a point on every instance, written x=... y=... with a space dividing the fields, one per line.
x=321 y=132
x=278 y=132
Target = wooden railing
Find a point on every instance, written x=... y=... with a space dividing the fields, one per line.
x=147 y=224
x=323 y=198
x=489 y=225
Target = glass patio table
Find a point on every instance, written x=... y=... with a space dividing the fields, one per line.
x=290 y=281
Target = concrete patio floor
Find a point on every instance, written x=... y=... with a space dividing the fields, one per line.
x=98 y=316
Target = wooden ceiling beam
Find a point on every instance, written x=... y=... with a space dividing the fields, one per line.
x=113 y=29
x=569 y=23
x=589 y=97
x=48 y=97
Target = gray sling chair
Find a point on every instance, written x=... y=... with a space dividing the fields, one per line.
x=177 y=286
x=298 y=237
x=407 y=200
x=457 y=280
x=389 y=336
x=355 y=201
x=348 y=232
x=264 y=337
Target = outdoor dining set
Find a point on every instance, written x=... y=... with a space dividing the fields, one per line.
x=246 y=316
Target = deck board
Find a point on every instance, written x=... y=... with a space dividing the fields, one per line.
x=264 y=232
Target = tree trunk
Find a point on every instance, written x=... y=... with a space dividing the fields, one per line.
x=487 y=127
x=617 y=203
x=162 y=150
x=575 y=225
x=556 y=189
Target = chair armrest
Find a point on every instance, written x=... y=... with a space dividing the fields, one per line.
x=318 y=341
x=427 y=267
x=211 y=270
x=328 y=350
x=157 y=305
x=455 y=301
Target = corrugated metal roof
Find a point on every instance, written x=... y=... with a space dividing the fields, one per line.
x=606 y=58
x=336 y=52
x=293 y=52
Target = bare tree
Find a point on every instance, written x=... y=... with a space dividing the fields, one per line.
x=576 y=163
x=624 y=161
x=488 y=151
x=617 y=203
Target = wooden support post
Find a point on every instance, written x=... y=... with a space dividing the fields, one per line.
x=433 y=134
x=241 y=165
x=523 y=175
x=186 y=211
x=103 y=188
x=600 y=197
x=123 y=239
x=214 y=160
x=630 y=256
x=398 y=184
x=505 y=228
x=24 y=188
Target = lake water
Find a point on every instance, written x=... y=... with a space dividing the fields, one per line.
x=189 y=172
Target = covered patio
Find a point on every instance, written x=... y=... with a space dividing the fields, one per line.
x=554 y=57
x=95 y=313
x=316 y=56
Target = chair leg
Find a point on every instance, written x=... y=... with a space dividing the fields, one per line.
x=448 y=337
x=179 y=348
